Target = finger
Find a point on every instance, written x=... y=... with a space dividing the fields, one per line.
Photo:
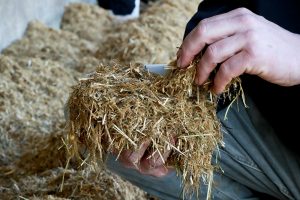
x=157 y=158
x=233 y=67
x=216 y=53
x=208 y=33
x=157 y=172
x=131 y=159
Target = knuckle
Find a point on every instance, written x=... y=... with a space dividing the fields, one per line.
x=243 y=10
x=251 y=37
x=201 y=28
x=125 y=154
x=261 y=18
x=204 y=21
x=156 y=161
x=151 y=163
x=225 y=70
x=246 y=59
x=251 y=52
x=211 y=53
x=133 y=158
x=247 y=19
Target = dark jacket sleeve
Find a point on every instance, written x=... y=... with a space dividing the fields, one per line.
x=104 y=4
x=118 y=7
x=209 y=8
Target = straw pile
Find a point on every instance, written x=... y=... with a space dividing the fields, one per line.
x=50 y=44
x=78 y=184
x=87 y=21
x=31 y=105
x=153 y=38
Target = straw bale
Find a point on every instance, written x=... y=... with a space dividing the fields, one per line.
x=78 y=184
x=153 y=37
x=46 y=43
x=89 y=22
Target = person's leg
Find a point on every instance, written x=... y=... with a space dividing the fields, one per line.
x=251 y=158
x=254 y=156
x=169 y=187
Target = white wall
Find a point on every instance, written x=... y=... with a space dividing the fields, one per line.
x=15 y=15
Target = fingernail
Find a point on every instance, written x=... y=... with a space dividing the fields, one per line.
x=179 y=63
x=179 y=58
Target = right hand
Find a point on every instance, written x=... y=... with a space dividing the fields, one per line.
x=242 y=42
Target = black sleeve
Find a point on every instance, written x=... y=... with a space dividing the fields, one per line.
x=209 y=8
x=118 y=7
x=104 y=4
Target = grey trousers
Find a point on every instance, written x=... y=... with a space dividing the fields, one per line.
x=253 y=159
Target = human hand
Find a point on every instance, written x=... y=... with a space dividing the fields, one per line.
x=147 y=163
x=242 y=42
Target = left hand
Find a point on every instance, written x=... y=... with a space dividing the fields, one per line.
x=148 y=163
x=242 y=42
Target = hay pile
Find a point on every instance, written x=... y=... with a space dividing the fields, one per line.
x=153 y=38
x=87 y=21
x=36 y=74
x=31 y=104
x=48 y=44
x=78 y=184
